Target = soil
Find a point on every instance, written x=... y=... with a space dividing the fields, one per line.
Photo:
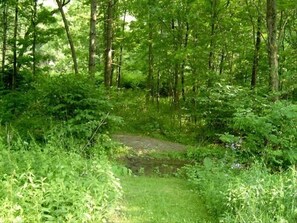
x=139 y=142
x=141 y=161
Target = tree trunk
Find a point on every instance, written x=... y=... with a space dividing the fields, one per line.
x=92 y=39
x=256 y=54
x=4 y=42
x=15 y=34
x=70 y=41
x=119 y=77
x=212 y=34
x=272 y=45
x=34 y=22
x=150 y=77
x=184 y=63
x=108 y=42
x=222 y=61
x=175 y=89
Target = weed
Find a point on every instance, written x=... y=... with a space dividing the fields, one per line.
x=56 y=186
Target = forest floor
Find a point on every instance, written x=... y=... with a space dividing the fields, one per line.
x=153 y=193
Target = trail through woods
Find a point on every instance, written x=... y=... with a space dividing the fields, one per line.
x=153 y=193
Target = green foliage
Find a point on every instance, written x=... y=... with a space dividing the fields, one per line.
x=270 y=134
x=211 y=151
x=246 y=194
x=72 y=105
x=75 y=102
x=212 y=180
x=135 y=80
x=214 y=108
x=55 y=186
x=259 y=196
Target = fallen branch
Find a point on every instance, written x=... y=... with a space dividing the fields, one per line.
x=101 y=123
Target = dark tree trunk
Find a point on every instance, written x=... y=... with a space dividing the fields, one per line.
x=256 y=54
x=92 y=39
x=34 y=22
x=15 y=34
x=211 y=57
x=4 y=42
x=272 y=45
x=108 y=41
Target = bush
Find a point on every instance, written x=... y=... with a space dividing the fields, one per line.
x=71 y=103
x=270 y=135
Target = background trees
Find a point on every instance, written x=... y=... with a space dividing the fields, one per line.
x=195 y=61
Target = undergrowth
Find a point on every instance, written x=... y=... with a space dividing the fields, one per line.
x=48 y=184
x=239 y=194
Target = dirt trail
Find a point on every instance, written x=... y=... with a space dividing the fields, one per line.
x=138 y=142
x=142 y=162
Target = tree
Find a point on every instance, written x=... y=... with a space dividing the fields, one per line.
x=15 y=34
x=34 y=22
x=4 y=34
x=92 y=39
x=61 y=4
x=271 y=17
x=108 y=55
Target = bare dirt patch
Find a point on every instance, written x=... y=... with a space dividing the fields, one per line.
x=141 y=161
x=139 y=142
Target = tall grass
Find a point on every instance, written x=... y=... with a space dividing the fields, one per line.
x=253 y=194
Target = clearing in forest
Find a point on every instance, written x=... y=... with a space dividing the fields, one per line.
x=152 y=194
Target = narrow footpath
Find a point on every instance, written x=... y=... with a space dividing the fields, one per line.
x=153 y=193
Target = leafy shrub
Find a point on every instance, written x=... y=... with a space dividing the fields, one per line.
x=71 y=103
x=55 y=186
x=211 y=179
x=214 y=109
x=270 y=135
x=214 y=152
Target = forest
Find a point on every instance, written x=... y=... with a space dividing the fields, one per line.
x=213 y=81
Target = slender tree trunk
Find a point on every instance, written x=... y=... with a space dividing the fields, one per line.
x=69 y=37
x=272 y=45
x=158 y=89
x=212 y=34
x=119 y=77
x=34 y=22
x=4 y=42
x=15 y=34
x=92 y=39
x=256 y=54
x=222 y=61
x=176 y=70
x=108 y=42
x=184 y=63
x=150 y=77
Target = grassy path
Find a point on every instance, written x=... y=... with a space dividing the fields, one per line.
x=150 y=198
x=160 y=200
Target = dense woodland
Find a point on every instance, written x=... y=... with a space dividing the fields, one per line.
x=219 y=75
